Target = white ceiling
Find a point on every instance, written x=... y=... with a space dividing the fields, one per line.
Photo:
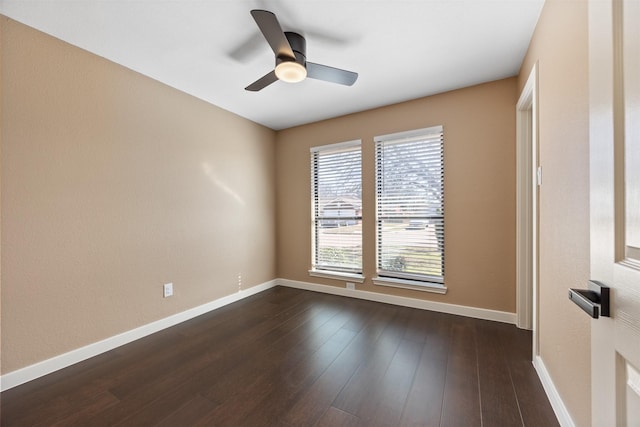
x=212 y=49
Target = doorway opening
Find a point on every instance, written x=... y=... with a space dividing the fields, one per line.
x=527 y=181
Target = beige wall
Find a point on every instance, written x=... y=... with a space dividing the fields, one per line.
x=479 y=128
x=113 y=184
x=1 y=127
x=560 y=46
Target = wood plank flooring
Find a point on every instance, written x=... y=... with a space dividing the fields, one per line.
x=287 y=357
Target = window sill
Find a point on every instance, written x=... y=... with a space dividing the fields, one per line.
x=338 y=275
x=415 y=285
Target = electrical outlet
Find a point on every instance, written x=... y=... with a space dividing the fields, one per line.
x=351 y=286
x=167 y=289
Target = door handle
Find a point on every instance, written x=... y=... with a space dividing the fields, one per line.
x=595 y=300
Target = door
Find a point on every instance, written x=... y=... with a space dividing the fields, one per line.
x=614 y=77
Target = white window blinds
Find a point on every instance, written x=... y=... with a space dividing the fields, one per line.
x=410 y=205
x=337 y=207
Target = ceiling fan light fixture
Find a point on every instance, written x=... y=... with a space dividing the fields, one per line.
x=290 y=51
x=291 y=72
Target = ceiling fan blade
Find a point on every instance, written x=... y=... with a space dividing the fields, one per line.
x=262 y=82
x=270 y=27
x=330 y=74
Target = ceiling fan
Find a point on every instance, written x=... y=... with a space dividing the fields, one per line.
x=290 y=50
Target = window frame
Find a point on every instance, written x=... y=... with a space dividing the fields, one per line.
x=386 y=277
x=328 y=271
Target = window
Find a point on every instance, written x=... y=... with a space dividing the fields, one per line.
x=336 y=183
x=410 y=206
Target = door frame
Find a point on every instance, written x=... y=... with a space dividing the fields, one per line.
x=527 y=207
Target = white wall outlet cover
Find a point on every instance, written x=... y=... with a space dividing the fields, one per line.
x=167 y=289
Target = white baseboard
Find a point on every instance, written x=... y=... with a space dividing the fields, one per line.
x=37 y=370
x=550 y=389
x=21 y=376
x=478 y=313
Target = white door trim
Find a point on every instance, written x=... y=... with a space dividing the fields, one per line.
x=526 y=205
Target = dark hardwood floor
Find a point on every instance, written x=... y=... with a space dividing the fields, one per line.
x=287 y=357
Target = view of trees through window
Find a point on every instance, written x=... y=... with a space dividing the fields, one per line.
x=410 y=202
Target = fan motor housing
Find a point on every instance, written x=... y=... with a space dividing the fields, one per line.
x=298 y=45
